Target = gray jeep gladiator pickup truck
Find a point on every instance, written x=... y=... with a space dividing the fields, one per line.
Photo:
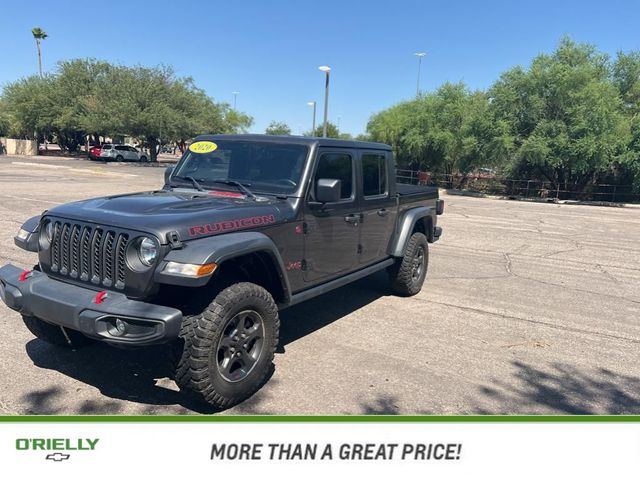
x=245 y=225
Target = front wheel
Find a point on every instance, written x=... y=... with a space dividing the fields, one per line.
x=119 y=158
x=144 y=159
x=228 y=348
x=409 y=272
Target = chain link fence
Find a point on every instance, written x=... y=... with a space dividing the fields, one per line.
x=492 y=185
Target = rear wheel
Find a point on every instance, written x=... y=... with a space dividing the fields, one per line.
x=409 y=272
x=228 y=349
x=55 y=334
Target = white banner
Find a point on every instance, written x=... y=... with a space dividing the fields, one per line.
x=321 y=450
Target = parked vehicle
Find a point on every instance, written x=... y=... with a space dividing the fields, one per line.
x=245 y=225
x=121 y=153
x=94 y=152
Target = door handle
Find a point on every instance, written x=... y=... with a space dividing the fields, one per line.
x=352 y=219
x=383 y=212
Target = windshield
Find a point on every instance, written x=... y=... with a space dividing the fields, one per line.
x=265 y=167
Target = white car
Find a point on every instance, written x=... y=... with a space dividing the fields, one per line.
x=121 y=153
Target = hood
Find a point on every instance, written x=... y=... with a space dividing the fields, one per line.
x=191 y=214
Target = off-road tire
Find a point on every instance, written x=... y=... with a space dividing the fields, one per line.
x=55 y=334
x=197 y=369
x=403 y=273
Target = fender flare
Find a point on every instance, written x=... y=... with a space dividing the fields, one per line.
x=218 y=249
x=405 y=227
x=30 y=244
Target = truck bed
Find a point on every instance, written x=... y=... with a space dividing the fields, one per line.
x=411 y=193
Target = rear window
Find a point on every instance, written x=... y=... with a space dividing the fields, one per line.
x=374 y=174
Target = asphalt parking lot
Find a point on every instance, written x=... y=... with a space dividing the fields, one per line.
x=528 y=308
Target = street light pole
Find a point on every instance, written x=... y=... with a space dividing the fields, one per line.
x=326 y=70
x=313 y=127
x=419 y=55
x=235 y=95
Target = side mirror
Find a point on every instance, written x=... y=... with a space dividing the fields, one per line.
x=328 y=190
x=167 y=174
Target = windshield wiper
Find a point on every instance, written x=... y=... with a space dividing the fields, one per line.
x=193 y=181
x=240 y=186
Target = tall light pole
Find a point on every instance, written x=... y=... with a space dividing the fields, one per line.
x=235 y=95
x=326 y=70
x=419 y=55
x=313 y=127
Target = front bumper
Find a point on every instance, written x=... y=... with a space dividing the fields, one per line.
x=76 y=307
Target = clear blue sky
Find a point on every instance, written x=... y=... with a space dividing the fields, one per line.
x=270 y=50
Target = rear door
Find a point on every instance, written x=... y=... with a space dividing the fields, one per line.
x=331 y=239
x=376 y=205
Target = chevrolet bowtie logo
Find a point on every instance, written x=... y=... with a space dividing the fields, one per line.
x=58 y=457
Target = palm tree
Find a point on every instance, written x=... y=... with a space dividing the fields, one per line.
x=39 y=35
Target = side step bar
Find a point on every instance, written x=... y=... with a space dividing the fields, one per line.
x=337 y=283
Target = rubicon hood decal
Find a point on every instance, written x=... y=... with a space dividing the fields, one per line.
x=229 y=225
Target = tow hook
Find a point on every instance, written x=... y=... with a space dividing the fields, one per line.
x=25 y=275
x=100 y=297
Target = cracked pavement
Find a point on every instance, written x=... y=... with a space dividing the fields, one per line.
x=527 y=308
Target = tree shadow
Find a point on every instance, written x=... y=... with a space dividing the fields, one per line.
x=381 y=405
x=562 y=389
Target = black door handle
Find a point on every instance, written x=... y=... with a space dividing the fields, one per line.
x=383 y=212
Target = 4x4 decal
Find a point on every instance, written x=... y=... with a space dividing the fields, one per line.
x=228 y=225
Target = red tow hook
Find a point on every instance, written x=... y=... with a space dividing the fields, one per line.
x=100 y=297
x=24 y=275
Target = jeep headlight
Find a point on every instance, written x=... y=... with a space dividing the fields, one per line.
x=46 y=234
x=147 y=251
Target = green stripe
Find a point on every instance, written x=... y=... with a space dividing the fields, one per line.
x=322 y=419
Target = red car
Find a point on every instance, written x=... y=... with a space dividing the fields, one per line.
x=94 y=152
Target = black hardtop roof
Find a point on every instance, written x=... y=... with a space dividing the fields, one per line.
x=297 y=140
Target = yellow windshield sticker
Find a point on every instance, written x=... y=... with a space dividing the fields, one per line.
x=202 y=147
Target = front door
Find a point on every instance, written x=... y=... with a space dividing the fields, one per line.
x=331 y=239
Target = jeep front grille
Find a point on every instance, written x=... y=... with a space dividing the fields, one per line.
x=89 y=254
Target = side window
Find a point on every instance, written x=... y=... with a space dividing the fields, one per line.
x=374 y=174
x=120 y=147
x=336 y=166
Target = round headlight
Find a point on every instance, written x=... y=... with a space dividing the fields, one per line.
x=147 y=251
x=48 y=230
x=46 y=235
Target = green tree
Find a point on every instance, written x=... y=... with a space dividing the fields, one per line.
x=29 y=106
x=332 y=131
x=89 y=97
x=39 y=35
x=626 y=78
x=278 y=128
x=565 y=116
x=451 y=131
